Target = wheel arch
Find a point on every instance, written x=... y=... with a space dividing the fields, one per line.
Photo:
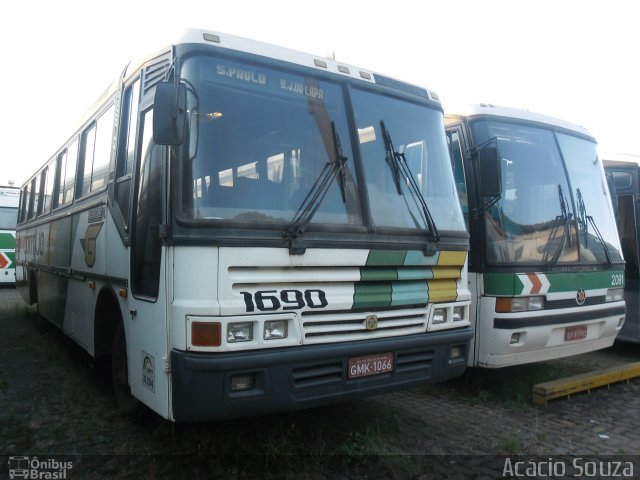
x=106 y=320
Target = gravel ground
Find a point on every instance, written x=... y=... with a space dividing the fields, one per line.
x=55 y=405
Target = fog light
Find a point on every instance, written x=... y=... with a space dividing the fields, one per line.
x=458 y=314
x=456 y=352
x=515 y=338
x=240 y=332
x=245 y=381
x=621 y=322
x=439 y=315
x=275 y=329
x=206 y=334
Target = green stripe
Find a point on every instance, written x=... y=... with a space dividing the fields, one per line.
x=416 y=257
x=7 y=241
x=409 y=293
x=368 y=295
x=377 y=274
x=508 y=284
x=386 y=258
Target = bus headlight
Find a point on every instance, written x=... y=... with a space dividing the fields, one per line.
x=519 y=304
x=614 y=295
x=275 y=329
x=239 y=332
x=458 y=313
x=439 y=315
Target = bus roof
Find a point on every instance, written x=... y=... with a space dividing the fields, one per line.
x=482 y=109
x=241 y=44
x=621 y=158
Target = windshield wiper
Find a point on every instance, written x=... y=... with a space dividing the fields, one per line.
x=563 y=219
x=400 y=170
x=313 y=199
x=583 y=224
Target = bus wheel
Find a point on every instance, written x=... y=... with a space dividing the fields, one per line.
x=125 y=401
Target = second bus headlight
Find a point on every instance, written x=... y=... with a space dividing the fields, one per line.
x=275 y=329
x=519 y=304
x=239 y=332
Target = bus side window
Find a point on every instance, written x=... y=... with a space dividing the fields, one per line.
x=95 y=154
x=455 y=151
x=34 y=197
x=148 y=215
x=50 y=172
x=127 y=149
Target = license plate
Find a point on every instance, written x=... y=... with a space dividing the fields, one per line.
x=370 y=365
x=575 y=333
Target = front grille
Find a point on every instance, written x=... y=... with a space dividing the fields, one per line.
x=342 y=326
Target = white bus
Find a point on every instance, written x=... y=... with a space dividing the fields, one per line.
x=236 y=225
x=624 y=185
x=545 y=268
x=9 y=201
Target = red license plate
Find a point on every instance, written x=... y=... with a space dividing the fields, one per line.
x=370 y=365
x=575 y=333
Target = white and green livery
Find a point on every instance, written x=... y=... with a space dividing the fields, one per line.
x=247 y=229
x=546 y=270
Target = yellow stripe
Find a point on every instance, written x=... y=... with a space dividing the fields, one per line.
x=446 y=272
x=442 y=290
x=452 y=258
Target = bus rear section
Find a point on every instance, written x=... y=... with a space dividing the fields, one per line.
x=623 y=175
x=9 y=202
x=546 y=269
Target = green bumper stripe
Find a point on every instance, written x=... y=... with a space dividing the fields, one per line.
x=7 y=241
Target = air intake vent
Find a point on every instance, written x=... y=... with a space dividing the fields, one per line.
x=316 y=375
x=155 y=71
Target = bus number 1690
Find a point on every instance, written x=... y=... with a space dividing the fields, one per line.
x=272 y=300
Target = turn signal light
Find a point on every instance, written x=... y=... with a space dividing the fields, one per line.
x=206 y=334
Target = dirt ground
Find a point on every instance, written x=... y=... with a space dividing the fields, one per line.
x=54 y=405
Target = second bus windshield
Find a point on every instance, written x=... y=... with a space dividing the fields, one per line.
x=553 y=198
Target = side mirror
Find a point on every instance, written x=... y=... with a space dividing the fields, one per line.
x=169 y=113
x=489 y=171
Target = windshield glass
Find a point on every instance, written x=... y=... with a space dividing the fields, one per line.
x=263 y=137
x=416 y=131
x=535 y=219
x=260 y=139
x=592 y=199
x=8 y=218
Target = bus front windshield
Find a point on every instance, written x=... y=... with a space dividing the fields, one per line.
x=260 y=139
x=554 y=207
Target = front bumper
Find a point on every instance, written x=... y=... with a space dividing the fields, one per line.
x=307 y=376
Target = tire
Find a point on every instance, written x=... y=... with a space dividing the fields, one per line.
x=125 y=401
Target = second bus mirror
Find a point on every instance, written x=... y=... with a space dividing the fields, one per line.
x=169 y=113
x=489 y=172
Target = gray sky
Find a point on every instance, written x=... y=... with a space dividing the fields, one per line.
x=577 y=60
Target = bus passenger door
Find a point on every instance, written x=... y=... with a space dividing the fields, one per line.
x=146 y=325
